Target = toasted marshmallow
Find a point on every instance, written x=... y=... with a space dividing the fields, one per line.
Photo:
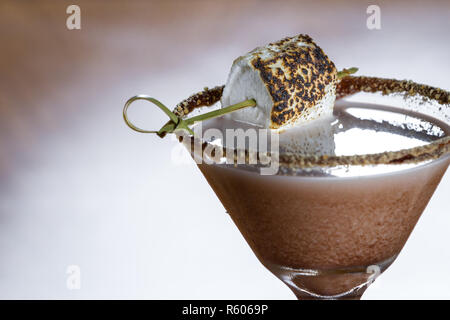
x=292 y=81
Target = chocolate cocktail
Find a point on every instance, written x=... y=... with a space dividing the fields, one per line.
x=348 y=188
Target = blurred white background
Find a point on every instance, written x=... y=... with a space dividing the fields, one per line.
x=77 y=187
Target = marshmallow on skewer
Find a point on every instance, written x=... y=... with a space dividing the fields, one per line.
x=292 y=80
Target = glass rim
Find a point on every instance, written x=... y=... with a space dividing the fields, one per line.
x=346 y=87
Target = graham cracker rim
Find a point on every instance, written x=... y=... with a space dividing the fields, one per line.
x=347 y=86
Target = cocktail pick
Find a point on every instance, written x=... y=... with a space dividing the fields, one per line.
x=177 y=123
x=346 y=72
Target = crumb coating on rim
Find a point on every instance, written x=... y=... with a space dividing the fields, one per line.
x=348 y=86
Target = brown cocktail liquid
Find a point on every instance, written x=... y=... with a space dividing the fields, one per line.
x=322 y=230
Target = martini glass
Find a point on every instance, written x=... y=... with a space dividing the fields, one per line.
x=348 y=192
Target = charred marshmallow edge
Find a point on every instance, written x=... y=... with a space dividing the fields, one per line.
x=292 y=80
